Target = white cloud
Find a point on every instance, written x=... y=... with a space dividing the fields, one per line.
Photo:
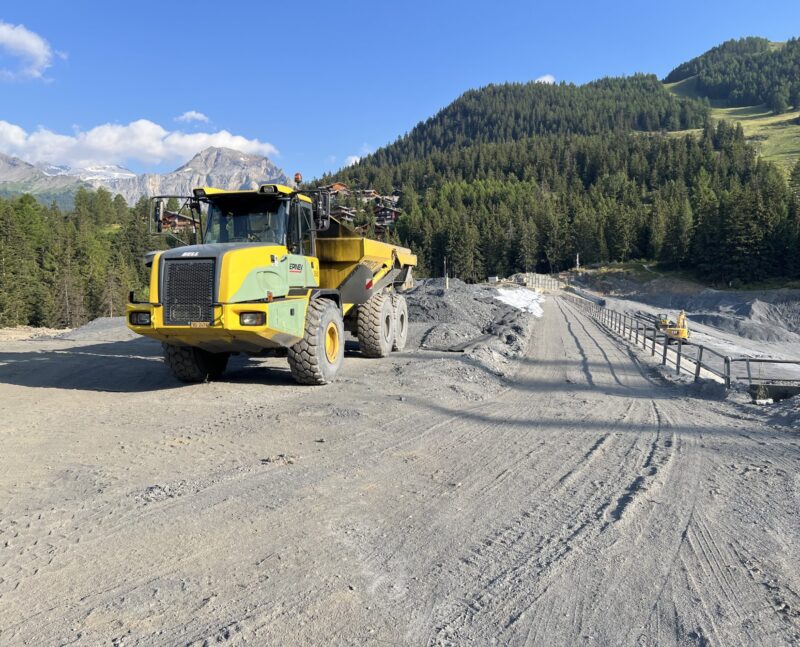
x=192 y=115
x=545 y=78
x=33 y=52
x=142 y=140
x=366 y=149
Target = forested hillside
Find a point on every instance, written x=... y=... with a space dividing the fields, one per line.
x=523 y=177
x=698 y=203
x=513 y=111
x=60 y=269
x=745 y=72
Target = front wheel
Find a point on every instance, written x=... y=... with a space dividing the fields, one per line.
x=191 y=364
x=317 y=358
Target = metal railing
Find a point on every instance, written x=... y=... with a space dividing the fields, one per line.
x=693 y=359
x=542 y=281
x=759 y=379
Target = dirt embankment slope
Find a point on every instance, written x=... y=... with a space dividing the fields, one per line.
x=759 y=315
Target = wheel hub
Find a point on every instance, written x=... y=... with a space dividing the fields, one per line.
x=332 y=342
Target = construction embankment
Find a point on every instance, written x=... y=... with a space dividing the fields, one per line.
x=510 y=478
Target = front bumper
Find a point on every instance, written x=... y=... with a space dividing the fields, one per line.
x=283 y=328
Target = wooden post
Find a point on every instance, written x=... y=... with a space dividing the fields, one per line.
x=727 y=372
x=678 y=360
x=698 y=365
x=666 y=345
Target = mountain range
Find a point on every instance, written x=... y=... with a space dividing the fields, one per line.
x=224 y=168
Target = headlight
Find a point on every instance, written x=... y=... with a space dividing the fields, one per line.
x=252 y=318
x=140 y=318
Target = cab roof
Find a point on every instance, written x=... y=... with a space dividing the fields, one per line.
x=264 y=189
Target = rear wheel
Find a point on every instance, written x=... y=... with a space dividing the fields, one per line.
x=317 y=358
x=376 y=326
x=400 y=308
x=191 y=364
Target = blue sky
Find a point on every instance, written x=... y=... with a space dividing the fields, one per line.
x=311 y=84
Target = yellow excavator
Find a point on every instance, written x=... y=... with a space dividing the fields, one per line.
x=272 y=273
x=674 y=329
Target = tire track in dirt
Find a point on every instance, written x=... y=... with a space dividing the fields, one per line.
x=522 y=551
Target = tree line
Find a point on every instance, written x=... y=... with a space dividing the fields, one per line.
x=746 y=72
x=63 y=268
x=705 y=203
x=512 y=111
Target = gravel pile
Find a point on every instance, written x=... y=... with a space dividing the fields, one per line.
x=101 y=329
x=428 y=301
x=469 y=319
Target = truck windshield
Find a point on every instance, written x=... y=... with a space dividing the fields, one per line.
x=247 y=219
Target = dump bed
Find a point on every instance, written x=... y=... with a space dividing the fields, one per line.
x=341 y=249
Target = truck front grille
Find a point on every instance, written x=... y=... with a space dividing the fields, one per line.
x=188 y=291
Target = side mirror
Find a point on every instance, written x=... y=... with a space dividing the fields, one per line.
x=158 y=215
x=322 y=210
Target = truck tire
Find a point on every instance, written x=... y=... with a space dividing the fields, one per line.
x=191 y=364
x=400 y=308
x=317 y=358
x=376 y=326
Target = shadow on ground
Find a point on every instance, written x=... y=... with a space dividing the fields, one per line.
x=131 y=366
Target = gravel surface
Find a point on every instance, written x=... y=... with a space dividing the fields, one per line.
x=21 y=333
x=423 y=499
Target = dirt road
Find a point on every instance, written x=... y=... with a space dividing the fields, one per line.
x=581 y=502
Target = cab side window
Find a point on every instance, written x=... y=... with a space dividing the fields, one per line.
x=293 y=237
x=306 y=228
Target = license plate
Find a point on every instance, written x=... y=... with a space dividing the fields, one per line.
x=199 y=324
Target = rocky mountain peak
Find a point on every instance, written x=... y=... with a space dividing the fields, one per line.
x=224 y=168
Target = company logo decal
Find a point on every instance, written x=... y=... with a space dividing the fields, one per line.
x=296 y=268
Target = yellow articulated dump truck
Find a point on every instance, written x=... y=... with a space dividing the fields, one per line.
x=272 y=273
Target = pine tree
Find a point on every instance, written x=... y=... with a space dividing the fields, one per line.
x=678 y=236
x=794 y=179
x=13 y=265
x=528 y=254
x=778 y=100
